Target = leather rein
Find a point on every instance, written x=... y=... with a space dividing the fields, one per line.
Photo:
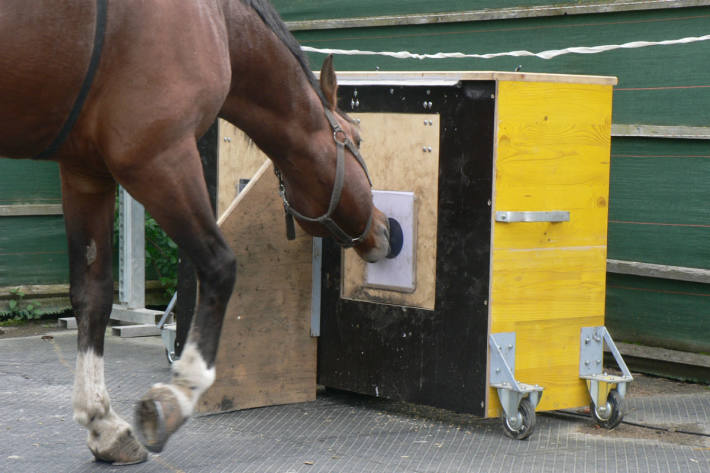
x=343 y=238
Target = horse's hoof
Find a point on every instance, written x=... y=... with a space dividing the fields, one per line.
x=158 y=416
x=124 y=450
x=150 y=425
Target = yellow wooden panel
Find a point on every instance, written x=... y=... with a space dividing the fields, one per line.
x=546 y=284
x=547 y=353
x=552 y=153
x=548 y=279
x=396 y=149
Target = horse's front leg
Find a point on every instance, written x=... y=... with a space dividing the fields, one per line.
x=88 y=213
x=171 y=187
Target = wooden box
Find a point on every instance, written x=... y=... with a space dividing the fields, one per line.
x=479 y=150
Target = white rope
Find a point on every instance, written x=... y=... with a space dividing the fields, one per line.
x=543 y=55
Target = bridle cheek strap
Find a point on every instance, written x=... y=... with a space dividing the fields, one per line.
x=341 y=236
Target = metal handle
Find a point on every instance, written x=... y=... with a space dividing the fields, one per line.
x=554 y=216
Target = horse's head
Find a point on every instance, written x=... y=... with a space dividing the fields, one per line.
x=335 y=196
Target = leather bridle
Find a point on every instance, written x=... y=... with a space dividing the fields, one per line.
x=343 y=238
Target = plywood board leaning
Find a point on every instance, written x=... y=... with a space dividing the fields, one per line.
x=239 y=158
x=266 y=354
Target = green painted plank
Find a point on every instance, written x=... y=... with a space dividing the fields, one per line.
x=656 y=312
x=25 y=181
x=673 y=246
x=658 y=210
x=33 y=250
x=292 y=10
x=661 y=85
x=660 y=181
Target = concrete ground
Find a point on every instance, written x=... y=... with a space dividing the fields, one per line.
x=339 y=433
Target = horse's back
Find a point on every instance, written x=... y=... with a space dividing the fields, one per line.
x=160 y=60
x=46 y=46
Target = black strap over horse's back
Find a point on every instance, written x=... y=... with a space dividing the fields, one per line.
x=99 y=34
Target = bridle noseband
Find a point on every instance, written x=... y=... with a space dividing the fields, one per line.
x=343 y=238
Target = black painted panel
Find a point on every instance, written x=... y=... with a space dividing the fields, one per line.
x=429 y=357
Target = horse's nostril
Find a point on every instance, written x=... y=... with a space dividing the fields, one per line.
x=396 y=238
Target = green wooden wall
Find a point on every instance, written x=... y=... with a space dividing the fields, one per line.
x=659 y=204
x=662 y=85
x=659 y=213
x=659 y=312
x=292 y=10
x=29 y=182
x=33 y=249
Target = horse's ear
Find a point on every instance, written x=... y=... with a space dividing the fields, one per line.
x=328 y=82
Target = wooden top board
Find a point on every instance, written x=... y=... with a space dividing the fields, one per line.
x=451 y=77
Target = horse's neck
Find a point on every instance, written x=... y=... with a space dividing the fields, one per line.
x=271 y=98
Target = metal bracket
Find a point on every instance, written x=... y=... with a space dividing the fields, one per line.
x=591 y=369
x=510 y=391
x=553 y=216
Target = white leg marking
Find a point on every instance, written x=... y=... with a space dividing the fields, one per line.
x=92 y=407
x=191 y=378
x=90 y=398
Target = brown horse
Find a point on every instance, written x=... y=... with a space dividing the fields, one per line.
x=119 y=92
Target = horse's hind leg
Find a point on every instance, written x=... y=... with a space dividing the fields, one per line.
x=171 y=187
x=88 y=214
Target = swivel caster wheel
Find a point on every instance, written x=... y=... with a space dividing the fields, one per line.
x=171 y=356
x=611 y=414
x=521 y=425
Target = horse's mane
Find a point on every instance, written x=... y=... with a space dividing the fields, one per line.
x=272 y=19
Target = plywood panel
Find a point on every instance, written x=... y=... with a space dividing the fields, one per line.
x=396 y=149
x=239 y=158
x=548 y=279
x=266 y=354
